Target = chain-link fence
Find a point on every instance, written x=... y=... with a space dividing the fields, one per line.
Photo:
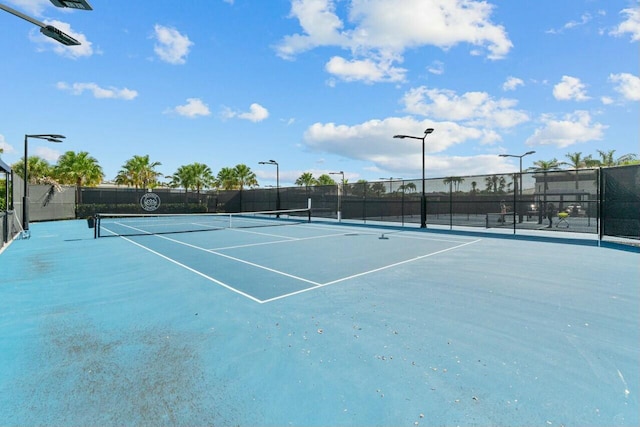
x=605 y=201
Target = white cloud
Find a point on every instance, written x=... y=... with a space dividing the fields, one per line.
x=85 y=48
x=630 y=25
x=192 y=109
x=49 y=154
x=97 y=91
x=566 y=131
x=365 y=70
x=473 y=108
x=373 y=33
x=570 y=88
x=6 y=147
x=33 y=7
x=436 y=67
x=372 y=141
x=512 y=83
x=256 y=113
x=627 y=85
x=171 y=46
x=584 y=19
x=606 y=100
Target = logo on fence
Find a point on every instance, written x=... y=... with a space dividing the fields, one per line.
x=150 y=202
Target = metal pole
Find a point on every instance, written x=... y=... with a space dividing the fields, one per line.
x=25 y=194
x=278 y=188
x=423 y=199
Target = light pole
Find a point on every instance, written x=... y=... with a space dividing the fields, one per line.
x=391 y=178
x=520 y=176
x=25 y=196
x=423 y=198
x=340 y=189
x=273 y=162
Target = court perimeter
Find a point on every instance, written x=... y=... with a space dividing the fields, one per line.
x=316 y=325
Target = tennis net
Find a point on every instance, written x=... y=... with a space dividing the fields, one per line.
x=143 y=224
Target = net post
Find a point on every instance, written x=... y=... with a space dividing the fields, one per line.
x=309 y=209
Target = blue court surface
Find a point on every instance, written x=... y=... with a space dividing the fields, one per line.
x=319 y=324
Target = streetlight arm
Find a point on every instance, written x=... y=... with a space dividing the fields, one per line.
x=22 y=15
x=408 y=136
x=47 y=30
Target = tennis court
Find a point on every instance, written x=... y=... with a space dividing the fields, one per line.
x=319 y=323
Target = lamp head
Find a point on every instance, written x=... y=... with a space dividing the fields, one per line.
x=428 y=131
x=400 y=136
x=529 y=152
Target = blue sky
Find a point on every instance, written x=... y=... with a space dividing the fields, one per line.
x=323 y=85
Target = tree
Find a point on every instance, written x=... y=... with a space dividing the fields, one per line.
x=378 y=188
x=409 y=187
x=325 y=179
x=607 y=158
x=244 y=176
x=492 y=183
x=545 y=166
x=455 y=180
x=576 y=162
x=139 y=172
x=79 y=169
x=306 y=179
x=38 y=169
x=195 y=176
x=227 y=179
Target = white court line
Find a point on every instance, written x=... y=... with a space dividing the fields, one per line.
x=291 y=239
x=282 y=273
x=368 y=272
x=408 y=234
x=199 y=273
x=315 y=285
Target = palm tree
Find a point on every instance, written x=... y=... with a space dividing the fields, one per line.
x=195 y=176
x=139 y=171
x=544 y=166
x=325 y=179
x=79 y=169
x=378 y=188
x=576 y=162
x=607 y=158
x=306 y=179
x=244 y=176
x=38 y=169
x=492 y=183
x=409 y=187
x=455 y=180
x=227 y=179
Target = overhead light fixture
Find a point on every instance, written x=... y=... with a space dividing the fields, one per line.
x=73 y=4
x=56 y=34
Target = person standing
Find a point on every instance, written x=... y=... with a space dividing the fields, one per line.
x=551 y=211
